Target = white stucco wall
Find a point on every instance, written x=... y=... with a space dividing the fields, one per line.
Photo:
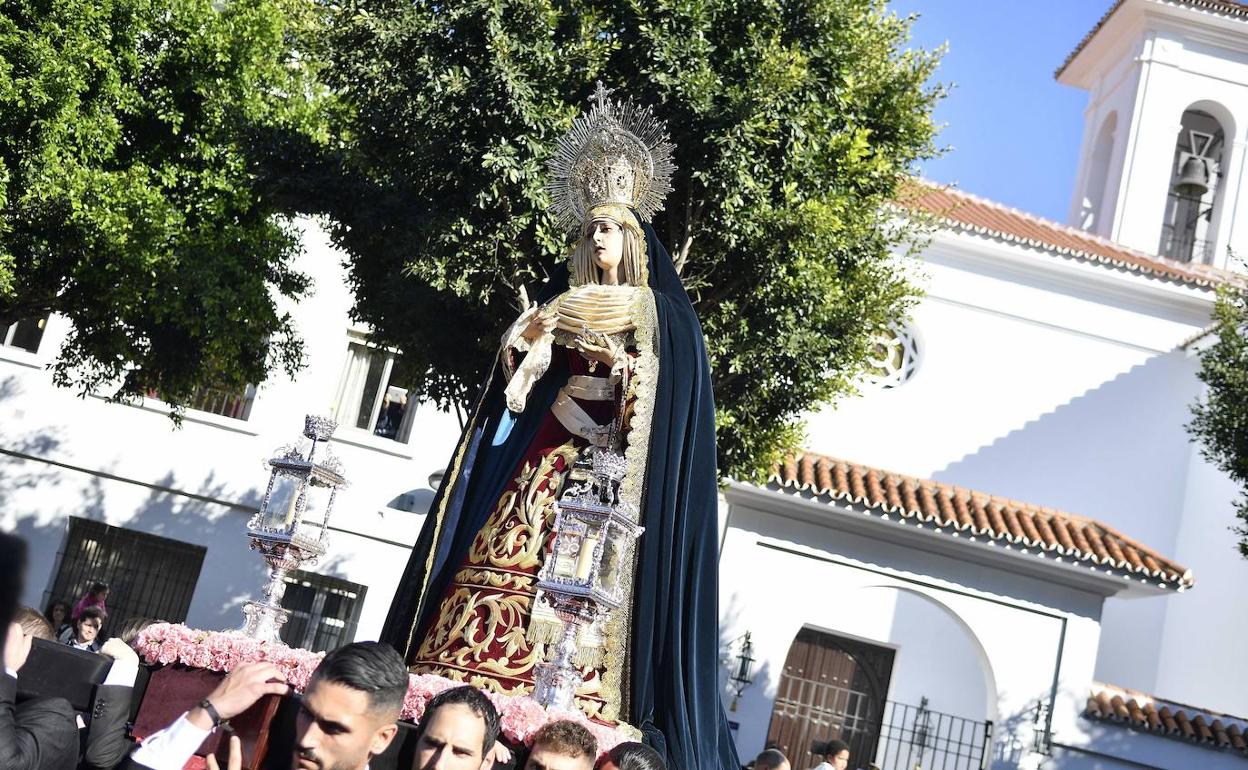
x=129 y=466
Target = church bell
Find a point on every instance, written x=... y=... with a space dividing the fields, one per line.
x=1194 y=179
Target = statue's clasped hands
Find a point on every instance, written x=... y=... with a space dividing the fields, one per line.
x=598 y=347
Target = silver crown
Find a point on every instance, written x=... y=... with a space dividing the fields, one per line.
x=319 y=428
x=610 y=464
x=617 y=153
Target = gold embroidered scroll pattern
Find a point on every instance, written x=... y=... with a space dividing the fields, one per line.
x=481 y=624
x=515 y=535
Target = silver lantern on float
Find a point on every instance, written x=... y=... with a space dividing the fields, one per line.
x=586 y=575
x=290 y=528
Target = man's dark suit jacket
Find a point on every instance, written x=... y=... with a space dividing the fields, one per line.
x=41 y=735
x=106 y=740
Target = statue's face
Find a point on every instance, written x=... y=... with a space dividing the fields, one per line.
x=608 y=241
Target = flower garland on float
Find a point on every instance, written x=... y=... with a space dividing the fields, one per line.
x=173 y=643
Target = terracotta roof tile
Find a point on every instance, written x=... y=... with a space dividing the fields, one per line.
x=1227 y=7
x=946 y=506
x=963 y=211
x=1144 y=712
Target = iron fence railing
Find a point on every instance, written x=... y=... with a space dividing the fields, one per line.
x=917 y=738
x=907 y=737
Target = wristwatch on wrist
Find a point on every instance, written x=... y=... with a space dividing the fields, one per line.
x=212 y=712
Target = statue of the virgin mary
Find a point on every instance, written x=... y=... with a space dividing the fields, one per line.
x=609 y=358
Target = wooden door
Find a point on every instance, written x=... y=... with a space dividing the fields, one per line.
x=831 y=687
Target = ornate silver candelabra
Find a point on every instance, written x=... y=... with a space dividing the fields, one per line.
x=290 y=528
x=585 y=577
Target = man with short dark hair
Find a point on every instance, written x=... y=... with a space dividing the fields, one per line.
x=347 y=714
x=835 y=756
x=771 y=759
x=632 y=755
x=562 y=745
x=458 y=731
x=84 y=634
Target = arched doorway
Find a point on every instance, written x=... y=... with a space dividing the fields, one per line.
x=831 y=687
x=875 y=698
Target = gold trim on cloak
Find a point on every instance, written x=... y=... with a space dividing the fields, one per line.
x=448 y=492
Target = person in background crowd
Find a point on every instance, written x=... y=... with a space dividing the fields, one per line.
x=771 y=759
x=835 y=756
x=562 y=745
x=347 y=715
x=58 y=615
x=458 y=731
x=94 y=597
x=84 y=634
x=42 y=733
x=634 y=756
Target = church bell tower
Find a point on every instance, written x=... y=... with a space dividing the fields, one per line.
x=1162 y=167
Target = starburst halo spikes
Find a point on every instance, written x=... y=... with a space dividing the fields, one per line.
x=617 y=153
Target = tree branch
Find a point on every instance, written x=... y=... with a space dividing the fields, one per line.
x=693 y=213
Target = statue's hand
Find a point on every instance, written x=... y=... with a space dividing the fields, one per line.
x=602 y=349
x=542 y=322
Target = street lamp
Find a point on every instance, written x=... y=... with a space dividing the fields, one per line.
x=743 y=672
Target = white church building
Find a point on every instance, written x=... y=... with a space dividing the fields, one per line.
x=1005 y=552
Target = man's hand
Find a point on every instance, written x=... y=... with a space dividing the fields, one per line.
x=499 y=754
x=120 y=651
x=16 y=647
x=235 y=761
x=240 y=689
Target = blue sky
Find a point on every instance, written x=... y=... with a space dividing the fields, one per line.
x=1014 y=131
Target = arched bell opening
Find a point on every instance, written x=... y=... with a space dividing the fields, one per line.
x=1193 y=197
x=1094 y=209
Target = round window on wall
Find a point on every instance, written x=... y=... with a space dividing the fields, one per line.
x=894 y=359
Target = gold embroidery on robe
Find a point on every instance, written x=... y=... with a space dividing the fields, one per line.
x=480 y=629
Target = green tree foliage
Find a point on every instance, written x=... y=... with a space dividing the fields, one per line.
x=129 y=186
x=1221 y=417
x=794 y=125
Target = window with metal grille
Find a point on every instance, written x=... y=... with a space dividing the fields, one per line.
x=148 y=576
x=25 y=334
x=324 y=611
